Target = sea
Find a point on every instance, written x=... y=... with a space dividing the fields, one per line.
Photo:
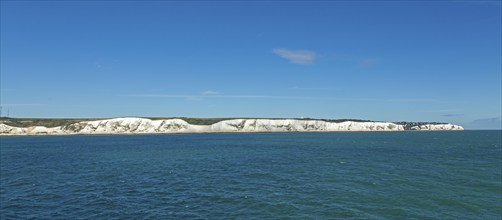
x=337 y=175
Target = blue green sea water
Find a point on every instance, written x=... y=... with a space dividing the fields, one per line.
x=340 y=175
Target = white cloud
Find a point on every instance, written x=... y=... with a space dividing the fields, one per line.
x=296 y=56
x=210 y=92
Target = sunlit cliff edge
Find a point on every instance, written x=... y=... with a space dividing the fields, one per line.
x=133 y=125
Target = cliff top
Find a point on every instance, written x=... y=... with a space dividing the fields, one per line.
x=54 y=122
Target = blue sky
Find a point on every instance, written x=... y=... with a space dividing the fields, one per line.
x=377 y=60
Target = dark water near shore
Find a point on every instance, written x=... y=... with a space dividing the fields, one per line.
x=372 y=175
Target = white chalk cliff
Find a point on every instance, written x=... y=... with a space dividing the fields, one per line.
x=438 y=127
x=148 y=126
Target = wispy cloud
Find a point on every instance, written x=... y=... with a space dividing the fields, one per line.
x=310 y=88
x=494 y=119
x=98 y=65
x=444 y=110
x=487 y=123
x=19 y=104
x=411 y=100
x=210 y=92
x=451 y=115
x=198 y=97
x=296 y=56
x=220 y=96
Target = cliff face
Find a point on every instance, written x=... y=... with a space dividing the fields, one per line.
x=148 y=126
x=438 y=127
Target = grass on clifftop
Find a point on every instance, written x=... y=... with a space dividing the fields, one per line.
x=46 y=122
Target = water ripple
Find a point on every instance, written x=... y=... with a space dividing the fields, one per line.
x=253 y=176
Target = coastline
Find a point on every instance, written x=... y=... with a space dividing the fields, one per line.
x=134 y=125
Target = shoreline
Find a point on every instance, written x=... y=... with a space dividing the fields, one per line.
x=173 y=126
x=237 y=132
